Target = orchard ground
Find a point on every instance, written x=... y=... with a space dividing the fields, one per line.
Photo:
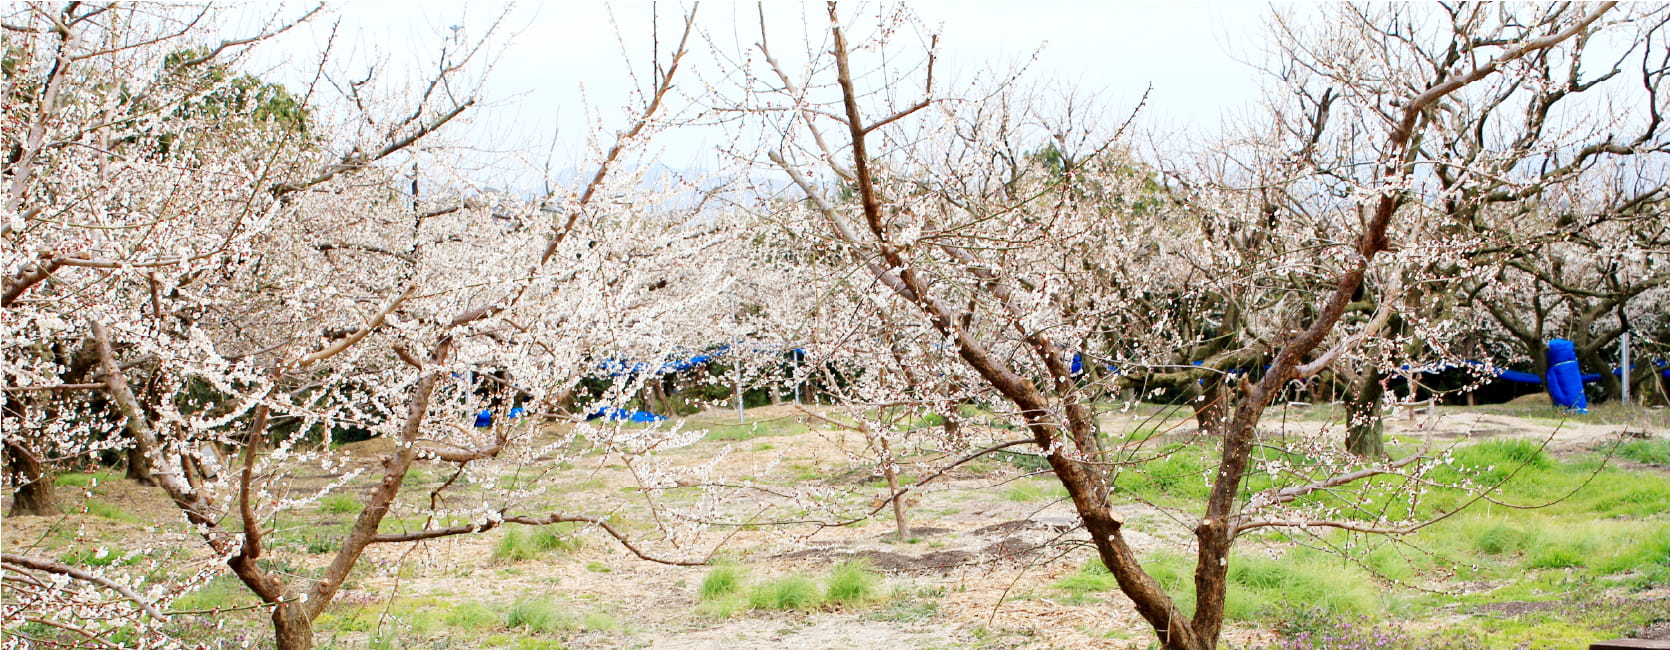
x=993 y=560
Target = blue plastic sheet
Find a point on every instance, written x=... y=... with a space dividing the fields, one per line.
x=617 y=367
x=1565 y=381
x=1517 y=376
x=614 y=414
x=1657 y=363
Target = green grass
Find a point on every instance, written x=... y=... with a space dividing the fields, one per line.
x=852 y=583
x=223 y=591
x=1258 y=584
x=395 y=623
x=1503 y=538
x=112 y=512
x=1140 y=433
x=340 y=504
x=472 y=615
x=1653 y=452
x=539 y=615
x=519 y=543
x=1035 y=491
x=726 y=590
x=1024 y=462
x=93 y=557
x=83 y=480
x=903 y=609
x=738 y=432
x=1176 y=476
x=723 y=580
x=791 y=592
x=1092 y=578
x=599 y=622
x=545 y=616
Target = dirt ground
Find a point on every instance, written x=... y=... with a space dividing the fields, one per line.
x=974 y=574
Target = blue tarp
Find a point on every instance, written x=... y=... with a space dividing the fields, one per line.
x=617 y=414
x=1565 y=381
x=484 y=419
x=1659 y=363
x=616 y=367
x=1504 y=374
x=1517 y=376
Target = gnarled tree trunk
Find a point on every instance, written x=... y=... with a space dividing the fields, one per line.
x=1364 y=427
x=293 y=627
x=139 y=467
x=34 y=495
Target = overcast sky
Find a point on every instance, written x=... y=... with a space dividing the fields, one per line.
x=556 y=58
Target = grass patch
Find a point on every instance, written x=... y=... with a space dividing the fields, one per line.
x=723 y=593
x=599 y=622
x=223 y=591
x=538 y=615
x=338 y=504
x=471 y=615
x=100 y=557
x=1492 y=462
x=1503 y=538
x=519 y=543
x=852 y=583
x=1091 y=579
x=1651 y=452
x=722 y=581
x=1560 y=548
x=791 y=592
x=83 y=479
x=1023 y=462
x=1179 y=473
x=726 y=590
x=1141 y=433
x=112 y=512
x=1259 y=585
x=906 y=610
x=1035 y=491
x=738 y=432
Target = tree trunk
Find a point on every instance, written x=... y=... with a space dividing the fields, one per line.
x=1210 y=407
x=887 y=470
x=34 y=494
x=139 y=467
x=950 y=424
x=293 y=627
x=1364 y=427
x=1611 y=386
x=1539 y=362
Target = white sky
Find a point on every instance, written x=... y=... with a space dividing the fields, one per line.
x=559 y=57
